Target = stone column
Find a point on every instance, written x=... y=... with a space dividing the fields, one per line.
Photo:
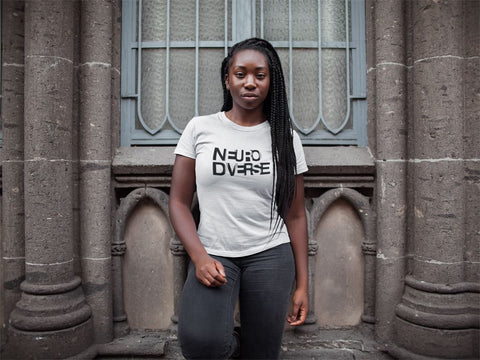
x=391 y=133
x=437 y=315
x=13 y=235
x=52 y=319
x=95 y=162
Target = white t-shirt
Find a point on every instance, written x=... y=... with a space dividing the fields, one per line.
x=234 y=177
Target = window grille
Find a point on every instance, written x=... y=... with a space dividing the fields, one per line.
x=172 y=51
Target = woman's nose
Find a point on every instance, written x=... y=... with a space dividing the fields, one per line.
x=250 y=81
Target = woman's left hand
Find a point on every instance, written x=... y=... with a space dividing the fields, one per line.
x=300 y=308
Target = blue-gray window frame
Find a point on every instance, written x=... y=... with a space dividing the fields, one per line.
x=131 y=68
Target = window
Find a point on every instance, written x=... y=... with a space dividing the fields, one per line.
x=172 y=51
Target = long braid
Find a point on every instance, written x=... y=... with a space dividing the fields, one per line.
x=277 y=114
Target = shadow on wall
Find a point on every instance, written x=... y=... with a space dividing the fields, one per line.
x=148 y=268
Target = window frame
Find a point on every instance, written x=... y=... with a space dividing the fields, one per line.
x=243 y=24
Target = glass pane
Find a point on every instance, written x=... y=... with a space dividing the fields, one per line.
x=153 y=87
x=305 y=85
x=210 y=86
x=305 y=20
x=182 y=86
x=182 y=20
x=334 y=87
x=212 y=20
x=154 y=20
x=275 y=19
x=333 y=20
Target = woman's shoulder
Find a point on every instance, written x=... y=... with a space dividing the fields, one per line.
x=206 y=119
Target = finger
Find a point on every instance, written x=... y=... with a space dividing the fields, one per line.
x=221 y=270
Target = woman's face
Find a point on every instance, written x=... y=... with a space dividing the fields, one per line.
x=248 y=79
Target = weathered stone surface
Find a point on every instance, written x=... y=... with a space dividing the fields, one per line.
x=96 y=31
x=438 y=28
x=472 y=231
x=148 y=269
x=48 y=29
x=95 y=211
x=434 y=342
x=339 y=267
x=438 y=108
x=58 y=344
x=48 y=112
x=97 y=285
x=48 y=209
x=95 y=134
x=439 y=221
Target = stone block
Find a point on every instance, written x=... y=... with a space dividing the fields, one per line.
x=48 y=211
x=13 y=41
x=437 y=28
x=96 y=29
x=391 y=123
x=472 y=107
x=438 y=226
x=12 y=111
x=438 y=108
x=97 y=286
x=438 y=343
x=12 y=209
x=472 y=231
x=95 y=209
x=95 y=108
x=59 y=344
x=48 y=28
x=48 y=113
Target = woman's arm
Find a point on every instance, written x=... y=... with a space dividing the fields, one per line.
x=297 y=229
x=208 y=271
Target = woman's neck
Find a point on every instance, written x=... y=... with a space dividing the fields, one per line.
x=244 y=117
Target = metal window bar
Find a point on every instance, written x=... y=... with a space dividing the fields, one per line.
x=320 y=117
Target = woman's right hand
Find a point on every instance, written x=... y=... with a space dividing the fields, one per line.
x=210 y=272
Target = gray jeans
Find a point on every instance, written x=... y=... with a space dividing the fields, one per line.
x=262 y=283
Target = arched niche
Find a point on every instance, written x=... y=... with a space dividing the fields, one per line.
x=144 y=276
x=341 y=225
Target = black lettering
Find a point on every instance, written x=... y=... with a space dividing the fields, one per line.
x=256 y=156
x=217 y=151
x=218 y=168
x=236 y=155
x=231 y=170
x=264 y=168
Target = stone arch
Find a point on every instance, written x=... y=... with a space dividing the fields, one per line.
x=361 y=206
x=127 y=208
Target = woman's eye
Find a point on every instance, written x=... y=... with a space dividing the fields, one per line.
x=239 y=74
x=261 y=76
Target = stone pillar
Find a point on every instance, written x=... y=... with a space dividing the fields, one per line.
x=13 y=235
x=439 y=312
x=391 y=133
x=52 y=319
x=95 y=163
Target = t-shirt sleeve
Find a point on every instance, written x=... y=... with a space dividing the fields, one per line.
x=299 y=154
x=186 y=143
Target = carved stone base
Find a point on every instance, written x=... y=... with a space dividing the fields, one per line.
x=58 y=344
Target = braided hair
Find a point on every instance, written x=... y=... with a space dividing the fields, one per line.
x=275 y=109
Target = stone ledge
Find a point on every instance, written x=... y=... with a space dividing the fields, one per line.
x=321 y=160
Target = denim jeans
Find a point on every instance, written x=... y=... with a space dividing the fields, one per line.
x=262 y=283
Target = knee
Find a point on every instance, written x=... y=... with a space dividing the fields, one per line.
x=208 y=344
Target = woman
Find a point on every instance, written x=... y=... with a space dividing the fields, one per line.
x=245 y=163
